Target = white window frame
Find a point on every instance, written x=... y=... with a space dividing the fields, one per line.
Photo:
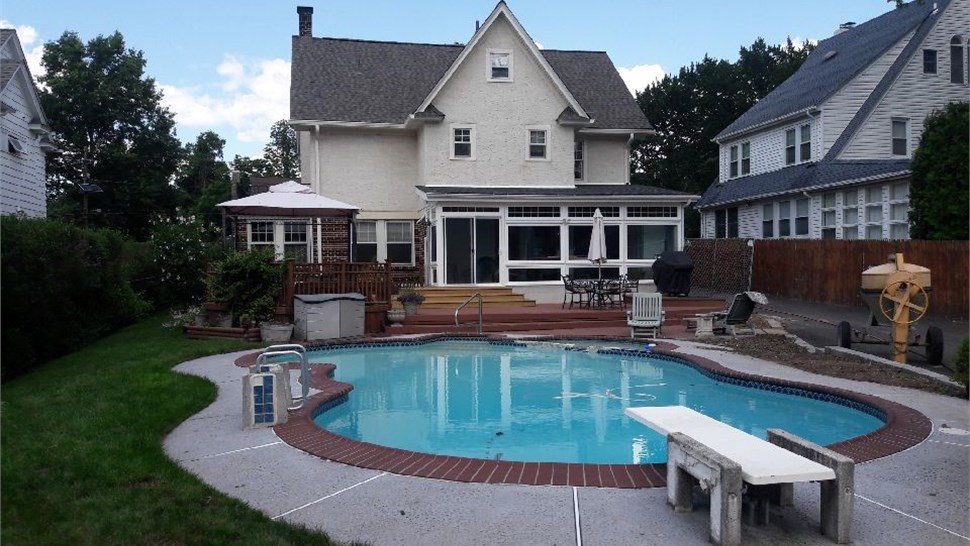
x=768 y=221
x=958 y=47
x=894 y=139
x=277 y=235
x=547 y=136
x=931 y=61
x=452 y=141
x=898 y=197
x=745 y=158
x=381 y=239
x=14 y=146
x=874 y=201
x=734 y=166
x=579 y=160
x=496 y=53
x=829 y=216
x=802 y=229
x=800 y=145
x=850 y=214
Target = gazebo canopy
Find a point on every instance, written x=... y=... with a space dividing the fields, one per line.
x=288 y=199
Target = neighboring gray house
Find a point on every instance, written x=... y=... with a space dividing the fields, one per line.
x=23 y=134
x=480 y=163
x=826 y=154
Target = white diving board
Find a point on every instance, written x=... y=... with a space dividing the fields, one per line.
x=761 y=462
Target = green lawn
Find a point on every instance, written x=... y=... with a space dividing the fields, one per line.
x=81 y=459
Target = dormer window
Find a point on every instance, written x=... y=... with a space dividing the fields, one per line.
x=499 y=65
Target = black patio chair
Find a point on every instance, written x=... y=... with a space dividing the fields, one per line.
x=576 y=290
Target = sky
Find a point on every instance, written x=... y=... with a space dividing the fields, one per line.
x=225 y=66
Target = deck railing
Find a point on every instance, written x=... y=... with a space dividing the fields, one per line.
x=372 y=280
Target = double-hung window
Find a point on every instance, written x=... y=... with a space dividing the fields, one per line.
x=850 y=214
x=538 y=143
x=462 y=142
x=287 y=240
x=784 y=219
x=579 y=160
x=743 y=159
x=380 y=240
x=499 y=67
x=768 y=221
x=801 y=217
x=900 y=139
x=798 y=145
x=957 y=60
x=726 y=223
x=828 y=216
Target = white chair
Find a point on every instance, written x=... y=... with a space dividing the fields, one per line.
x=647 y=315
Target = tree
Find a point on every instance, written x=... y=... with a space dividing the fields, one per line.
x=940 y=190
x=204 y=176
x=280 y=153
x=690 y=108
x=107 y=118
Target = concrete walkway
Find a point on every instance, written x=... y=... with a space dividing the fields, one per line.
x=916 y=497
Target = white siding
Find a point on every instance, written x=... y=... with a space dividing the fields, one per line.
x=501 y=111
x=914 y=95
x=606 y=159
x=22 y=175
x=839 y=110
x=767 y=149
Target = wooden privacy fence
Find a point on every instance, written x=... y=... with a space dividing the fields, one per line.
x=830 y=271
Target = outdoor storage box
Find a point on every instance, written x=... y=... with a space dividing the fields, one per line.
x=325 y=316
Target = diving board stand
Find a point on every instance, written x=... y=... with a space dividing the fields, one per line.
x=722 y=459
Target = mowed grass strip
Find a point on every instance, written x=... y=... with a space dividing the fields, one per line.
x=81 y=459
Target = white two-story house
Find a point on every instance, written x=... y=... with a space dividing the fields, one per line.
x=24 y=140
x=480 y=163
x=826 y=154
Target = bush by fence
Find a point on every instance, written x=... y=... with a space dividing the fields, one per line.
x=62 y=287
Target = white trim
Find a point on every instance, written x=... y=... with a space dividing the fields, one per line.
x=616 y=131
x=488 y=65
x=502 y=9
x=451 y=141
x=306 y=124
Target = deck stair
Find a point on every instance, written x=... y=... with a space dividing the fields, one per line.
x=499 y=317
x=442 y=297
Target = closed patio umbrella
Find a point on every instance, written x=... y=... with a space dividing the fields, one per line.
x=597 y=242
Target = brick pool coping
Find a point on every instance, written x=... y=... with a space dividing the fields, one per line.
x=904 y=428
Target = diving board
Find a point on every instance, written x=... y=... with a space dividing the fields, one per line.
x=721 y=457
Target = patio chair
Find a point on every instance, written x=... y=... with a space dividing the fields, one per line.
x=577 y=292
x=734 y=319
x=646 y=316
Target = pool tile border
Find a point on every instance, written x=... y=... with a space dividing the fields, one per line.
x=904 y=428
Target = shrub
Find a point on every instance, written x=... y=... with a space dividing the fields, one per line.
x=961 y=364
x=249 y=282
x=182 y=252
x=63 y=287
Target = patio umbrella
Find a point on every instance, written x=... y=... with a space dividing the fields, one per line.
x=288 y=199
x=597 y=242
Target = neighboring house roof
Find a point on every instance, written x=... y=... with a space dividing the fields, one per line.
x=832 y=65
x=386 y=82
x=579 y=191
x=261 y=184
x=803 y=177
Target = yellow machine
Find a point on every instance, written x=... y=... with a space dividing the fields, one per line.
x=897 y=293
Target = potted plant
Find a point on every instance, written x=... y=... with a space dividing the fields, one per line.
x=250 y=282
x=410 y=299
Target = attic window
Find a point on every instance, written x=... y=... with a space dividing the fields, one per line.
x=499 y=68
x=14 y=146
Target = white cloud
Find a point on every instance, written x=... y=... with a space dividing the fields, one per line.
x=253 y=94
x=33 y=53
x=640 y=76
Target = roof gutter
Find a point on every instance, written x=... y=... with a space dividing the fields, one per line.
x=804 y=112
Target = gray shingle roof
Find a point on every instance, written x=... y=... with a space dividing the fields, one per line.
x=384 y=82
x=800 y=178
x=581 y=190
x=823 y=73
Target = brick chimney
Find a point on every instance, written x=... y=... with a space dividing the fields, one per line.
x=306 y=20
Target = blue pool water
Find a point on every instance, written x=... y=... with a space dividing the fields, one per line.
x=542 y=403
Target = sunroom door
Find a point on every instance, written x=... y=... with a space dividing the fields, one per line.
x=471 y=250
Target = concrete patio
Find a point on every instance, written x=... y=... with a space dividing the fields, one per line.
x=915 y=497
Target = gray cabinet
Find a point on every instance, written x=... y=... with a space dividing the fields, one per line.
x=326 y=316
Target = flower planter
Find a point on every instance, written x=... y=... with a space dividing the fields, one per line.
x=276 y=332
x=410 y=308
x=396 y=316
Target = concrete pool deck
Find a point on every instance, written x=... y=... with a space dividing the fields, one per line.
x=918 y=496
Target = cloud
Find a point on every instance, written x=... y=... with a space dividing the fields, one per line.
x=248 y=96
x=640 y=76
x=33 y=53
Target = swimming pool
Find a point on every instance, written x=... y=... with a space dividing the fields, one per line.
x=538 y=402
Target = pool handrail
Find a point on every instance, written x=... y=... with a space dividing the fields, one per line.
x=466 y=302
x=289 y=350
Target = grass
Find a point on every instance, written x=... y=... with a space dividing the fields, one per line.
x=82 y=459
